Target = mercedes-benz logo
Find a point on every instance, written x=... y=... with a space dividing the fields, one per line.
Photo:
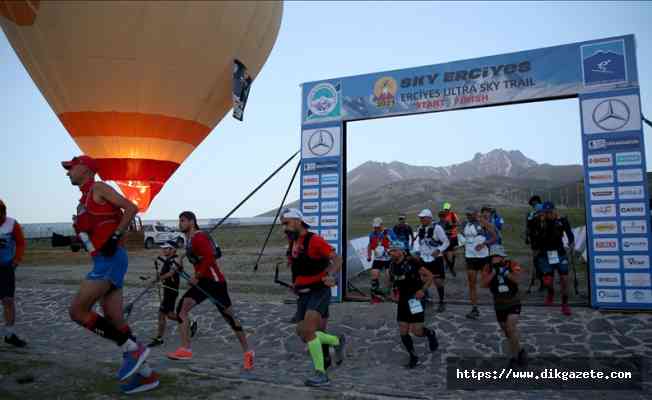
x=321 y=142
x=611 y=114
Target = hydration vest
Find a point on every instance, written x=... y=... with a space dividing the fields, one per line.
x=307 y=272
x=7 y=242
x=195 y=259
x=428 y=234
x=98 y=220
x=496 y=282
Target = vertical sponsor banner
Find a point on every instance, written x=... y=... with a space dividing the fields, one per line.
x=617 y=201
x=321 y=171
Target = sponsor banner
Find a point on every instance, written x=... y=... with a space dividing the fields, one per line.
x=633 y=226
x=606 y=262
x=310 y=180
x=603 y=193
x=629 y=158
x=630 y=192
x=638 y=279
x=632 y=209
x=638 y=296
x=310 y=207
x=602 y=176
x=609 y=295
x=630 y=175
x=605 y=228
x=330 y=206
x=323 y=102
x=603 y=210
x=330 y=179
x=330 y=234
x=601 y=245
x=330 y=192
x=600 y=160
x=321 y=166
x=607 y=279
x=310 y=194
x=614 y=143
x=611 y=114
x=329 y=220
x=636 y=261
x=635 y=244
x=311 y=220
x=321 y=142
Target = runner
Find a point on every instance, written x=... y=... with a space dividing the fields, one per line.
x=552 y=254
x=409 y=293
x=449 y=221
x=102 y=217
x=491 y=217
x=314 y=264
x=531 y=227
x=12 y=249
x=478 y=236
x=168 y=276
x=379 y=240
x=404 y=232
x=432 y=241
x=208 y=281
x=501 y=277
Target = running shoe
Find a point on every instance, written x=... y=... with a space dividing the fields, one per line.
x=319 y=379
x=522 y=358
x=15 y=341
x=131 y=361
x=139 y=383
x=414 y=361
x=193 y=328
x=249 y=360
x=473 y=314
x=157 y=341
x=441 y=308
x=565 y=309
x=181 y=354
x=549 y=299
x=339 y=350
x=433 y=343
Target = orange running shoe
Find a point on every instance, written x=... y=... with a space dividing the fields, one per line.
x=181 y=354
x=249 y=360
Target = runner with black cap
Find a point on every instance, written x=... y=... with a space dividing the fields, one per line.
x=314 y=264
x=403 y=232
x=103 y=216
x=208 y=280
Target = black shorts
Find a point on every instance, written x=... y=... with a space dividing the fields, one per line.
x=476 y=264
x=7 y=281
x=217 y=290
x=380 y=265
x=503 y=312
x=403 y=313
x=453 y=244
x=436 y=267
x=315 y=300
x=169 y=301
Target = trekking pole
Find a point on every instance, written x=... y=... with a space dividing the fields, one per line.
x=276 y=278
x=129 y=307
x=158 y=278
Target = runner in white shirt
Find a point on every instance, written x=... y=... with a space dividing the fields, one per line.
x=430 y=245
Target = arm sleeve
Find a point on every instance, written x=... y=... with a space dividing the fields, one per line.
x=20 y=243
x=201 y=246
x=441 y=236
x=568 y=230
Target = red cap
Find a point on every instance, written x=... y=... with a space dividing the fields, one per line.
x=81 y=160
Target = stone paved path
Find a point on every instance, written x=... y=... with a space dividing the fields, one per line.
x=374 y=356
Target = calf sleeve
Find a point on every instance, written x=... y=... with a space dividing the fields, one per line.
x=102 y=327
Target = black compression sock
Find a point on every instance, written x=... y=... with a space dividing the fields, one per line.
x=440 y=291
x=564 y=299
x=102 y=327
x=409 y=344
x=375 y=285
x=327 y=355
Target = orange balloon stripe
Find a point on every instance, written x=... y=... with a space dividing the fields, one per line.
x=19 y=11
x=131 y=124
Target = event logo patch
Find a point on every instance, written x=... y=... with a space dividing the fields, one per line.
x=636 y=226
x=605 y=244
x=607 y=279
x=639 y=296
x=323 y=101
x=629 y=158
x=630 y=175
x=603 y=210
x=603 y=193
x=604 y=63
x=630 y=192
x=632 y=209
x=606 y=262
x=600 y=160
x=636 y=261
x=597 y=177
x=605 y=228
x=610 y=295
x=385 y=92
x=635 y=244
x=638 y=279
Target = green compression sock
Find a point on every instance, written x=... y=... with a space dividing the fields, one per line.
x=327 y=339
x=314 y=347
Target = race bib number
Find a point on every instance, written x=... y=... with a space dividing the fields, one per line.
x=503 y=289
x=380 y=251
x=553 y=257
x=415 y=306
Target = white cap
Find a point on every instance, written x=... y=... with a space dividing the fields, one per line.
x=293 y=213
x=425 y=213
x=377 y=222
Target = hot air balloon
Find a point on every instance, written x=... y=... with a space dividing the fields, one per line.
x=139 y=84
